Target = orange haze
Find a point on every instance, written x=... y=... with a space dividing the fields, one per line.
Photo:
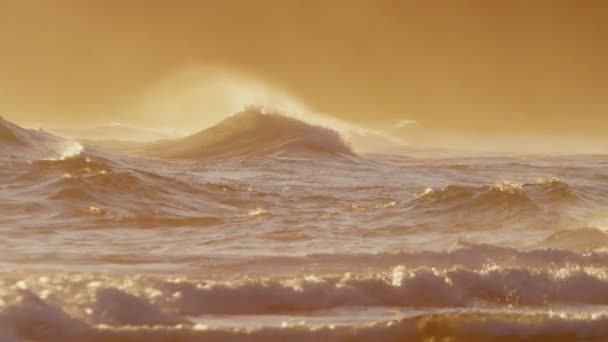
x=504 y=66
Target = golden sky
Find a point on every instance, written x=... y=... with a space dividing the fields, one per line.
x=481 y=66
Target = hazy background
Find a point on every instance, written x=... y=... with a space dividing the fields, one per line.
x=509 y=66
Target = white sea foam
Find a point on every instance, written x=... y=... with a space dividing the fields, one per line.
x=31 y=318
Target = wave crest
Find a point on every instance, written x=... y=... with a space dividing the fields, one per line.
x=502 y=202
x=31 y=317
x=142 y=300
x=31 y=144
x=255 y=133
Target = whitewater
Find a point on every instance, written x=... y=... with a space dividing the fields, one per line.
x=264 y=227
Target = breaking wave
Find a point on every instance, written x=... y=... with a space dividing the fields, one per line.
x=473 y=327
x=79 y=307
x=255 y=133
x=17 y=143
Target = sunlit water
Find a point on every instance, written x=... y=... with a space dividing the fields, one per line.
x=418 y=243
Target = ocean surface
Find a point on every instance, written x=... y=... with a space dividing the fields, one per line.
x=265 y=228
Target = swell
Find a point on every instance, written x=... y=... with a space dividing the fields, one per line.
x=20 y=143
x=499 y=204
x=580 y=239
x=472 y=256
x=503 y=195
x=217 y=266
x=108 y=190
x=254 y=133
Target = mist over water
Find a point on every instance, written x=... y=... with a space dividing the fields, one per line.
x=269 y=227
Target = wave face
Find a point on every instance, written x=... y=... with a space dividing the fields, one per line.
x=580 y=239
x=497 y=205
x=267 y=228
x=17 y=143
x=504 y=195
x=253 y=133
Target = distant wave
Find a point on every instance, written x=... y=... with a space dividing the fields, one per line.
x=253 y=133
x=551 y=190
x=581 y=239
x=20 y=142
x=98 y=189
x=11 y=134
x=456 y=197
x=31 y=144
x=502 y=202
x=473 y=256
x=504 y=194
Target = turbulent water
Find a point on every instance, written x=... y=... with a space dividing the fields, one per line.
x=264 y=228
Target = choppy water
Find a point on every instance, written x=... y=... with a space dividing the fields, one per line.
x=265 y=228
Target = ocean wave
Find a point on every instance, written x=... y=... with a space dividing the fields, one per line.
x=401 y=287
x=254 y=133
x=81 y=307
x=473 y=256
x=53 y=325
x=115 y=192
x=421 y=287
x=128 y=198
x=496 y=205
x=74 y=165
x=28 y=144
x=551 y=190
x=504 y=194
x=581 y=239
